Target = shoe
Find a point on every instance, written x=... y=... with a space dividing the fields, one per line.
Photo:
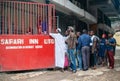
x=62 y=70
x=85 y=69
x=74 y=71
x=94 y=68
x=79 y=69
x=110 y=67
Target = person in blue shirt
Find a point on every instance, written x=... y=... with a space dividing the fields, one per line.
x=84 y=44
x=102 y=49
x=78 y=53
x=111 y=43
x=44 y=26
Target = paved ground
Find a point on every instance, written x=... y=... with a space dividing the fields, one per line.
x=100 y=74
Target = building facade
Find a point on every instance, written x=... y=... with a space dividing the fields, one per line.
x=84 y=14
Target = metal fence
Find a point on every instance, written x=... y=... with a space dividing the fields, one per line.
x=26 y=18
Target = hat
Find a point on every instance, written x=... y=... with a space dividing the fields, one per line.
x=70 y=28
x=58 y=29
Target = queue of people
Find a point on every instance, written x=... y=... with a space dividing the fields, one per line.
x=86 y=50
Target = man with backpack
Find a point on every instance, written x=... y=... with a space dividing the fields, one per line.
x=94 y=45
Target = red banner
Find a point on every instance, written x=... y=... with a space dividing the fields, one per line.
x=24 y=52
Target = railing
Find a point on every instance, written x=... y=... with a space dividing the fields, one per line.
x=26 y=18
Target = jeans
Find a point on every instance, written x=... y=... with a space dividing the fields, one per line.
x=79 y=58
x=72 y=59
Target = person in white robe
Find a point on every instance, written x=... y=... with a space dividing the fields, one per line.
x=59 y=49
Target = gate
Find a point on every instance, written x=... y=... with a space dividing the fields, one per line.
x=24 y=35
x=24 y=17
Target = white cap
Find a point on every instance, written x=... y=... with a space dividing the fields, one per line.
x=58 y=29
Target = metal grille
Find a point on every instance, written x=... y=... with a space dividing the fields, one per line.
x=26 y=18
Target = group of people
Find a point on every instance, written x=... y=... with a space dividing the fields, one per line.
x=86 y=50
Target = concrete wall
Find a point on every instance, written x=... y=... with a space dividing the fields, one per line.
x=71 y=8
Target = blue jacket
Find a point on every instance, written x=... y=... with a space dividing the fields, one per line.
x=84 y=40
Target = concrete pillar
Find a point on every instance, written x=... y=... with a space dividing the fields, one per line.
x=88 y=26
x=74 y=24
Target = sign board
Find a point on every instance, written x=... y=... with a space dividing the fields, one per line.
x=24 y=52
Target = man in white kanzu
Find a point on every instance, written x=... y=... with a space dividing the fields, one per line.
x=59 y=48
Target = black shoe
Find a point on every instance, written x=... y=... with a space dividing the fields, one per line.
x=85 y=69
x=62 y=69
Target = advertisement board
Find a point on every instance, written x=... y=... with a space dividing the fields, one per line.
x=24 y=52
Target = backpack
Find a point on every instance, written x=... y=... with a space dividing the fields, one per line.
x=98 y=41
